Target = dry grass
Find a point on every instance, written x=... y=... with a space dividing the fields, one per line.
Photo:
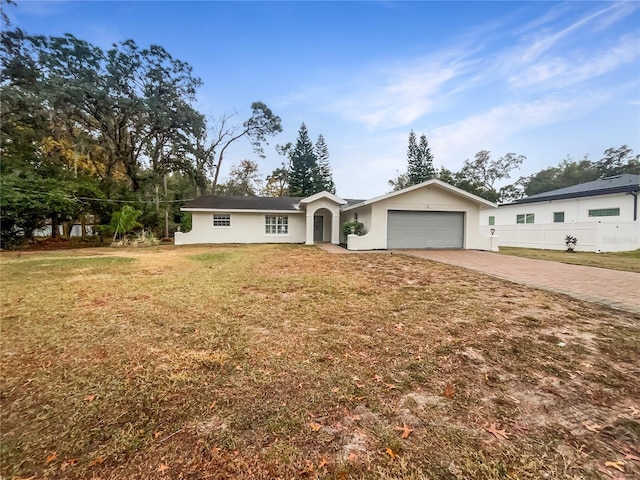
x=263 y=362
x=625 y=261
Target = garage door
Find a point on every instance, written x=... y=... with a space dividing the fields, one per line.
x=406 y=229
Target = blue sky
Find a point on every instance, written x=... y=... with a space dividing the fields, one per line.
x=541 y=79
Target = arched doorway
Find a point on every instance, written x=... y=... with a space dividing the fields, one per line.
x=322 y=225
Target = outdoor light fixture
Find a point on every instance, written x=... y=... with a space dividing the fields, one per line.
x=493 y=230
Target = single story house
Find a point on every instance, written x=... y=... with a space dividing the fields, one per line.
x=432 y=214
x=602 y=215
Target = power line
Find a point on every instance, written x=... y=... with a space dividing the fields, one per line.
x=74 y=197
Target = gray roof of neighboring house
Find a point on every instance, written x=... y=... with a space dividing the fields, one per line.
x=626 y=182
x=251 y=203
x=245 y=203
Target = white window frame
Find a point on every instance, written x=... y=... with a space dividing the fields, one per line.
x=525 y=218
x=554 y=217
x=604 y=212
x=221 y=220
x=492 y=219
x=277 y=225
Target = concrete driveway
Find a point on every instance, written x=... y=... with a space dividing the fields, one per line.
x=616 y=289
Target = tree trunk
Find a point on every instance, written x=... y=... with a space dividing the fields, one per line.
x=166 y=208
x=55 y=233
x=83 y=226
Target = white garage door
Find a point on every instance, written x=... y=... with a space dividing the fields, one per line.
x=408 y=229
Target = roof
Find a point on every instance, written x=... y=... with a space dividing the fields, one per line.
x=624 y=183
x=433 y=181
x=244 y=203
x=323 y=195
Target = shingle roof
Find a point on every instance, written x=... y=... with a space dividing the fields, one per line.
x=244 y=203
x=626 y=182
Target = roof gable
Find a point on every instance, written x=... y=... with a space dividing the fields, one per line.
x=323 y=195
x=428 y=183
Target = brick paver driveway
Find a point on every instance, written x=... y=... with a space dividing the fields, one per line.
x=610 y=287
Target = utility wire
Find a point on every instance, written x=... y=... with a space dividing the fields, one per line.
x=74 y=197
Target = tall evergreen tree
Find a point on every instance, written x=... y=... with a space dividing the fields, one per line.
x=420 y=160
x=303 y=166
x=323 y=177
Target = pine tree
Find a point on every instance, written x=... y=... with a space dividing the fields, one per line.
x=323 y=177
x=303 y=166
x=420 y=160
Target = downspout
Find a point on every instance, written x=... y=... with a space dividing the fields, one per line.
x=635 y=205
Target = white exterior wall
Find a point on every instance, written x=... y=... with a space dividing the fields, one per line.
x=594 y=234
x=364 y=217
x=430 y=198
x=575 y=210
x=245 y=228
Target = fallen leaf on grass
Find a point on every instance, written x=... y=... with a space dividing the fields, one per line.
x=593 y=427
x=163 y=467
x=90 y=398
x=323 y=462
x=352 y=457
x=406 y=431
x=391 y=453
x=96 y=461
x=377 y=378
x=315 y=426
x=634 y=412
x=499 y=434
x=52 y=456
x=449 y=391
x=618 y=464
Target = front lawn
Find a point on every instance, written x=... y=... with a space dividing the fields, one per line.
x=264 y=362
x=625 y=261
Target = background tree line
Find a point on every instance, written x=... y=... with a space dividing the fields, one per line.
x=481 y=175
x=85 y=131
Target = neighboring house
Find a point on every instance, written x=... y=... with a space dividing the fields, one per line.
x=432 y=214
x=602 y=215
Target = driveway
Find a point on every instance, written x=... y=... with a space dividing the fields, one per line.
x=616 y=289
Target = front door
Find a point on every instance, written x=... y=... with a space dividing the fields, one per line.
x=318 y=228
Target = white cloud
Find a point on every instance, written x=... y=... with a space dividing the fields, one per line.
x=453 y=143
x=561 y=72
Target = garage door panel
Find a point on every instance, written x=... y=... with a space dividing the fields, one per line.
x=411 y=229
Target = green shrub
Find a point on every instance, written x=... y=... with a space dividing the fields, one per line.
x=352 y=227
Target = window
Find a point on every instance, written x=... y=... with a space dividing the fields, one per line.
x=492 y=220
x=277 y=225
x=558 y=217
x=525 y=218
x=222 y=220
x=605 y=212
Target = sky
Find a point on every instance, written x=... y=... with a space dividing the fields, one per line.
x=540 y=79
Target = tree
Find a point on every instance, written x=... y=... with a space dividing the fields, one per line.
x=617 y=161
x=480 y=175
x=419 y=159
x=125 y=220
x=278 y=182
x=400 y=182
x=419 y=164
x=323 y=177
x=568 y=173
x=261 y=124
x=303 y=165
x=244 y=180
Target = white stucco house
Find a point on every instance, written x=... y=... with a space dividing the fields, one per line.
x=602 y=215
x=432 y=214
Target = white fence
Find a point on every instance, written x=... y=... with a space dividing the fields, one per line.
x=592 y=236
